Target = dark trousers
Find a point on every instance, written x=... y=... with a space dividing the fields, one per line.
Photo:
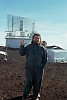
x=33 y=78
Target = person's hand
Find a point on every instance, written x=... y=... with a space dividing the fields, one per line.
x=22 y=42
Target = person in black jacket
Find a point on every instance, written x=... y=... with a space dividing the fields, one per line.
x=36 y=58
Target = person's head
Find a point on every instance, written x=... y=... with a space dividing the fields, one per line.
x=36 y=38
x=44 y=43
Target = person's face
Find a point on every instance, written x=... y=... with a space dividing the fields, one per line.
x=44 y=44
x=36 y=39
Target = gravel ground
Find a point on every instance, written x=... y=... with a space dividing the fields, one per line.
x=12 y=76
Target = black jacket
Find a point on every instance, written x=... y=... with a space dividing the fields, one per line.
x=36 y=55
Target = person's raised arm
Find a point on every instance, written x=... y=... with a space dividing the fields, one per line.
x=22 y=48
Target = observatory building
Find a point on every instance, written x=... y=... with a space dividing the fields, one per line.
x=57 y=54
x=19 y=28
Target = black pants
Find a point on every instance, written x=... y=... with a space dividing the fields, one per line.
x=33 y=78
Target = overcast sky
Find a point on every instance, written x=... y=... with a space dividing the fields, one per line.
x=50 y=18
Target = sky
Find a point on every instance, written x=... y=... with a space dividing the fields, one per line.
x=50 y=18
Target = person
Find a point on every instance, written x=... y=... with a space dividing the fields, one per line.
x=36 y=58
x=44 y=43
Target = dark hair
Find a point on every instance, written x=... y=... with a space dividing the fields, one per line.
x=44 y=42
x=34 y=36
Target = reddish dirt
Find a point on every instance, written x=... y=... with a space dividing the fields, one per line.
x=12 y=79
x=54 y=84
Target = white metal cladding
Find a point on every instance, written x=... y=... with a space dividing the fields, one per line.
x=19 y=28
x=50 y=56
x=15 y=43
x=57 y=55
x=17 y=23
